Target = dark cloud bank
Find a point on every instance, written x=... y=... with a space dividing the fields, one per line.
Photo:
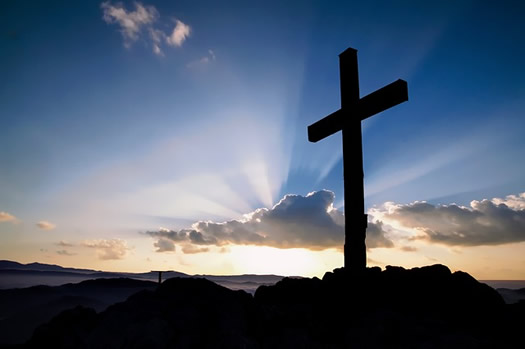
x=312 y=222
x=296 y=221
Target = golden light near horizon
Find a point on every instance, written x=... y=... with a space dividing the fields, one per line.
x=288 y=262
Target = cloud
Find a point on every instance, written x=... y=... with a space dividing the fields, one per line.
x=108 y=249
x=180 y=33
x=45 y=225
x=130 y=22
x=6 y=217
x=210 y=57
x=156 y=37
x=191 y=249
x=295 y=221
x=375 y=236
x=486 y=222
x=164 y=245
x=140 y=23
x=409 y=248
x=515 y=202
x=157 y=50
x=64 y=244
x=65 y=253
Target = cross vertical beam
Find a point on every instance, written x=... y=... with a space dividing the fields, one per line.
x=353 y=175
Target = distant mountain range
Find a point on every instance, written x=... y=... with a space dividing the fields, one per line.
x=18 y=275
x=6 y=265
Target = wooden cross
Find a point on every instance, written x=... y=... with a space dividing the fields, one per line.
x=160 y=274
x=348 y=120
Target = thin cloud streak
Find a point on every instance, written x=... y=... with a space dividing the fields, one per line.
x=65 y=253
x=45 y=225
x=7 y=217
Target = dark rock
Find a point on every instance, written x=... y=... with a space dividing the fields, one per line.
x=69 y=329
x=427 y=307
x=23 y=310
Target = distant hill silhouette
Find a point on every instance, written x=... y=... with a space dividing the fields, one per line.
x=17 y=275
x=10 y=265
x=512 y=296
x=22 y=310
x=427 y=307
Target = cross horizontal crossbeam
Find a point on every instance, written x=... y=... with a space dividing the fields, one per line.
x=374 y=103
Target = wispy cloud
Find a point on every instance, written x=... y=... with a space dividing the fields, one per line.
x=66 y=253
x=180 y=33
x=212 y=54
x=156 y=37
x=64 y=244
x=130 y=22
x=45 y=225
x=7 y=217
x=295 y=221
x=486 y=222
x=191 y=249
x=203 y=61
x=108 y=249
x=134 y=24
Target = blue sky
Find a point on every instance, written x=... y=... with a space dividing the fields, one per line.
x=197 y=111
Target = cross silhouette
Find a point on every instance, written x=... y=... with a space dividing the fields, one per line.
x=348 y=120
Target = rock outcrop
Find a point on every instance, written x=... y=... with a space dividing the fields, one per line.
x=427 y=307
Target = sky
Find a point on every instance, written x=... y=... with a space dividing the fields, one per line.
x=171 y=135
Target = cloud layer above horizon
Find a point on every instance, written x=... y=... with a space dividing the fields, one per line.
x=296 y=221
x=313 y=223
x=486 y=222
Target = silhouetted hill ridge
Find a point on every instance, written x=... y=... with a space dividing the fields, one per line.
x=421 y=307
x=5 y=264
x=24 y=309
x=17 y=275
x=512 y=296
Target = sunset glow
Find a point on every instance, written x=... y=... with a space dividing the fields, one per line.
x=165 y=135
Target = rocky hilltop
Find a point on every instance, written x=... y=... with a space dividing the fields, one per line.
x=427 y=307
